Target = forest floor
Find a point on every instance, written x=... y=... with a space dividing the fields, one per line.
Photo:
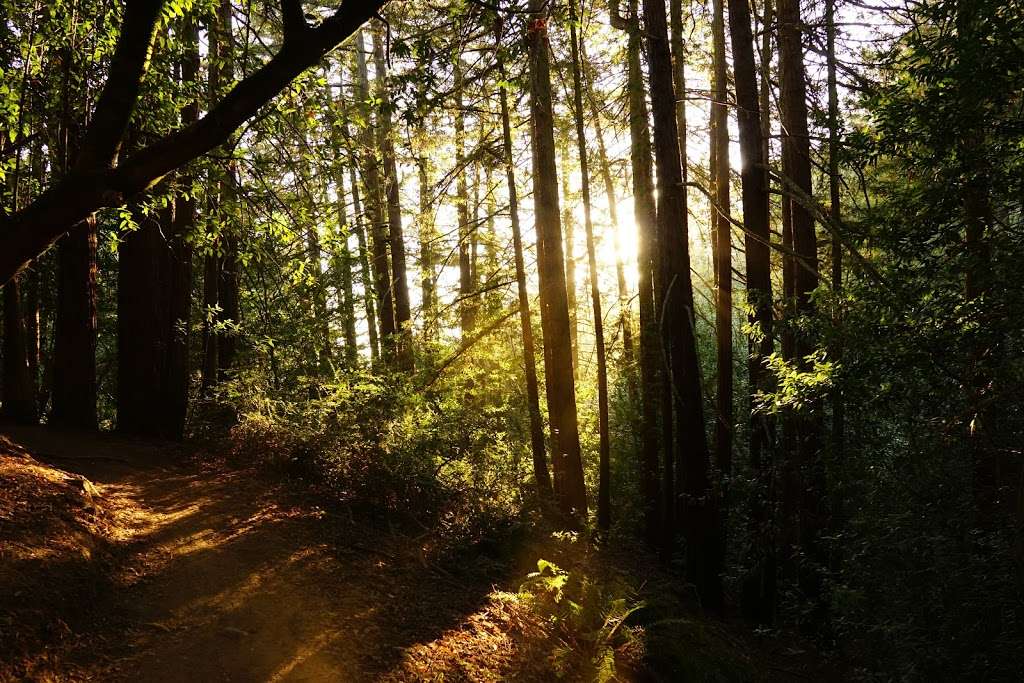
x=137 y=561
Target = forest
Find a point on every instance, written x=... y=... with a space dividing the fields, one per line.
x=486 y=340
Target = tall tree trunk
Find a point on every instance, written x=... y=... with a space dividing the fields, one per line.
x=33 y=330
x=759 y=586
x=467 y=304
x=399 y=278
x=143 y=322
x=18 y=392
x=569 y=228
x=74 y=344
x=838 y=408
x=211 y=299
x=18 y=377
x=154 y=297
x=177 y=376
x=314 y=254
x=561 y=393
x=224 y=74
x=796 y=151
x=343 y=273
x=322 y=342
x=32 y=309
x=427 y=235
x=366 y=274
x=678 y=49
x=722 y=247
x=474 y=233
x=604 y=461
x=625 y=322
x=540 y=466
x=645 y=215
x=379 y=237
x=767 y=32
x=678 y=317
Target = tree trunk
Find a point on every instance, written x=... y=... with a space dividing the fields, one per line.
x=379 y=237
x=399 y=278
x=343 y=273
x=604 y=461
x=366 y=274
x=796 y=152
x=427 y=235
x=644 y=213
x=74 y=344
x=569 y=485
x=569 y=227
x=722 y=247
x=540 y=466
x=759 y=585
x=838 y=408
x=467 y=304
x=32 y=308
x=177 y=377
x=18 y=393
x=144 y=324
x=33 y=330
x=322 y=342
x=211 y=297
x=678 y=317
x=678 y=50
x=229 y=184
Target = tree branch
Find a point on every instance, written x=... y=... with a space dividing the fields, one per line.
x=294 y=23
x=89 y=187
x=115 y=104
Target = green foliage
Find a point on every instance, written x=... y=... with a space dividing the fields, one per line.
x=452 y=458
x=931 y=373
x=586 y=618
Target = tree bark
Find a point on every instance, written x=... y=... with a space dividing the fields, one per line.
x=759 y=586
x=222 y=74
x=561 y=394
x=366 y=274
x=678 y=318
x=144 y=325
x=18 y=394
x=74 y=344
x=569 y=228
x=427 y=236
x=467 y=305
x=835 y=213
x=796 y=152
x=604 y=458
x=379 y=237
x=645 y=215
x=541 y=477
x=343 y=273
x=399 y=278
x=722 y=248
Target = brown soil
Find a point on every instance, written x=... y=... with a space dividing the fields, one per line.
x=125 y=560
x=217 y=575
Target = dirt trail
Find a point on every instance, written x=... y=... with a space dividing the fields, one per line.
x=226 y=578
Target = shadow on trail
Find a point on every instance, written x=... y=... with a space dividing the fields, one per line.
x=225 y=576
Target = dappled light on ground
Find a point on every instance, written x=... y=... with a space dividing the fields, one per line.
x=227 y=578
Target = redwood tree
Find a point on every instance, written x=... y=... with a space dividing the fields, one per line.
x=561 y=393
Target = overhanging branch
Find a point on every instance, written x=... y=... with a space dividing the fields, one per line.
x=93 y=185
